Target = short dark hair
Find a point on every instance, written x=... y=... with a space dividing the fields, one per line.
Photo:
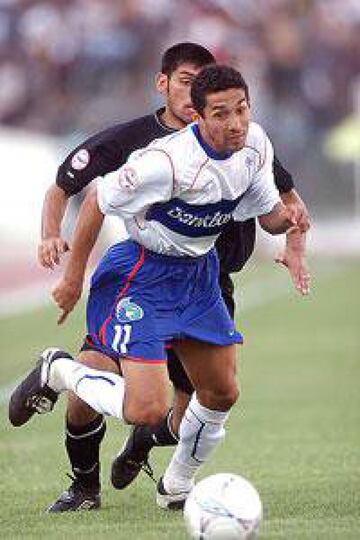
x=215 y=78
x=182 y=53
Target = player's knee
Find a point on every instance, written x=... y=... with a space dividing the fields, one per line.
x=145 y=412
x=221 y=399
x=231 y=397
x=226 y=400
x=97 y=360
x=154 y=416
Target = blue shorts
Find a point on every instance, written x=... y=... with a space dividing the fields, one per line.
x=141 y=301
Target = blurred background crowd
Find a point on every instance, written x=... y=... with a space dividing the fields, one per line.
x=71 y=67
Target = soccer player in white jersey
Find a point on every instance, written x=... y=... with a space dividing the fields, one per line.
x=175 y=197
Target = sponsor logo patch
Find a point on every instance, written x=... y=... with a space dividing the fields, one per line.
x=208 y=221
x=127 y=311
x=128 y=179
x=80 y=160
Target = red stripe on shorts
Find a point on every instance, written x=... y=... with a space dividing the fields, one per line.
x=130 y=277
x=141 y=360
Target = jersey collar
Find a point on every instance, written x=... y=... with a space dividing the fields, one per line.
x=207 y=148
x=157 y=116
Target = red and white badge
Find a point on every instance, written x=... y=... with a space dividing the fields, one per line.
x=80 y=160
x=128 y=178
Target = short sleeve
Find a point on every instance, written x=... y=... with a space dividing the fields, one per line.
x=283 y=179
x=262 y=194
x=97 y=156
x=145 y=179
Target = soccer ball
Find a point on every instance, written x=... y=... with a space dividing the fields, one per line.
x=223 y=506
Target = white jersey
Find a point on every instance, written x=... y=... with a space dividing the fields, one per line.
x=177 y=194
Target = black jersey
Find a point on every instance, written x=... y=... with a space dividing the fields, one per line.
x=107 y=150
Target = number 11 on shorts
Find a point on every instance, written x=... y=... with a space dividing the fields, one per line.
x=121 y=338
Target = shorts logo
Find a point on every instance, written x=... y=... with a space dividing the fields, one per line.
x=80 y=160
x=127 y=311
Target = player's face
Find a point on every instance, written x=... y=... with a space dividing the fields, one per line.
x=225 y=120
x=176 y=90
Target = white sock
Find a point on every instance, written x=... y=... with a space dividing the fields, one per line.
x=200 y=432
x=102 y=390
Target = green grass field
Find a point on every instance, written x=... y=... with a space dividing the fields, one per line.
x=295 y=433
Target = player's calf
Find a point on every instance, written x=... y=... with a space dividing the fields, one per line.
x=134 y=455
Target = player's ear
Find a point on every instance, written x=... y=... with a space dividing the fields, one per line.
x=161 y=83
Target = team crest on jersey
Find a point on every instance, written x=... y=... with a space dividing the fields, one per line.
x=249 y=162
x=127 y=311
x=128 y=179
x=80 y=160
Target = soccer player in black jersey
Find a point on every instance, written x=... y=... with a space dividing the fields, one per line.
x=100 y=154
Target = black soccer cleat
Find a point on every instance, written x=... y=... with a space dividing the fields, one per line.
x=133 y=458
x=33 y=394
x=77 y=497
x=170 y=501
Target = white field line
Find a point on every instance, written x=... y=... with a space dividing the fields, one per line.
x=28 y=300
x=24 y=300
x=256 y=293
x=259 y=293
x=31 y=297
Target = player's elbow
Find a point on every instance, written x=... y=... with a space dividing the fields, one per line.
x=274 y=226
x=277 y=221
x=145 y=411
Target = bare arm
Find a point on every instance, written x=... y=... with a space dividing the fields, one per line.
x=52 y=246
x=293 y=220
x=292 y=199
x=293 y=257
x=279 y=220
x=68 y=291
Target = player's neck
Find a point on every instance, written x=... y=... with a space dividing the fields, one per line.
x=210 y=145
x=171 y=121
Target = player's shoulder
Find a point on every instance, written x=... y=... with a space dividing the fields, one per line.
x=179 y=145
x=172 y=153
x=118 y=133
x=256 y=135
x=257 y=143
x=173 y=145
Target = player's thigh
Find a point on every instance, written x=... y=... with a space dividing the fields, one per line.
x=78 y=412
x=98 y=360
x=177 y=374
x=212 y=370
x=146 y=391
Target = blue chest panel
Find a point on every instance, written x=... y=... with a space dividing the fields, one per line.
x=193 y=220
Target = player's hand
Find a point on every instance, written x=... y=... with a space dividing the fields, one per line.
x=51 y=250
x=295 y=262
x=66 y=295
